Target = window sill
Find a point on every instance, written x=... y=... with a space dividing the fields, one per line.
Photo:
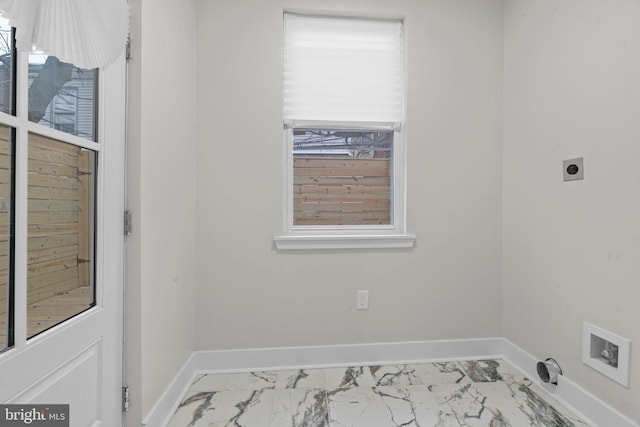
x=311 y=242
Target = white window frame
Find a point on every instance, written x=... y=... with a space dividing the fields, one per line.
x=394 y=235
x=348 y=236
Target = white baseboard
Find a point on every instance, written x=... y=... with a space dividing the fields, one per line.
x=343 y=355
x=164 y=408
x=588 y=407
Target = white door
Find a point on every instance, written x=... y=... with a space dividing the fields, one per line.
x=62 y=134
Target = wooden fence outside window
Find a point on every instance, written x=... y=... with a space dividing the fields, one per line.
x=59 y=218
x=341 y=191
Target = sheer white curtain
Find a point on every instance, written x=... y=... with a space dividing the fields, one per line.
x=86 y=33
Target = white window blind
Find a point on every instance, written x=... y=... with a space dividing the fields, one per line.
x=343 y=69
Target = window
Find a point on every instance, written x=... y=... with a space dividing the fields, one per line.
x=48 y=191
x=343 y=107
x=62 y=96
x=342 y=177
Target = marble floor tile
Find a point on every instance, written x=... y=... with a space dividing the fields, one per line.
x=529 y=401
x=357 y=406
x=480 y=393
x=490 y=370
x=192 y=409
x=301 y=378
x=348 y=377
x=251 y=380
x=299 y=407
x=429 y=412
x=209 y=382
x=393 y=406
x=440 y=373
x=555 y=404
x=394 y=375
x=464 y=403
x=494 y=404
x=250 y=408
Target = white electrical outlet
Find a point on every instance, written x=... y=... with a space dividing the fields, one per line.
x=362 y=302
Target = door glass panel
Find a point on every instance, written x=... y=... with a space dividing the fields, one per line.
x=6 y=231
x=7 y=68
x=62 y=96
x=61 y=228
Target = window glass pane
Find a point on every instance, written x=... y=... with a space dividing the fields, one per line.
x=62 y=96
x=61 y=196
x=6 y=231
x=342 y=177
x=7 y=67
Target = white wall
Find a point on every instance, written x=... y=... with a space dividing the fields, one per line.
x=572 y=250
x=206 y=90
x=162 y=191
x=250 y=295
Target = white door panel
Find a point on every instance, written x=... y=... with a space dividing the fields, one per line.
x=60 y=387
x=27 y=368
x=79 y=361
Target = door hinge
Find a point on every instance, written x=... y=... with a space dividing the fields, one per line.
x=127 y=223
x=125 y=398
x=128 y=49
